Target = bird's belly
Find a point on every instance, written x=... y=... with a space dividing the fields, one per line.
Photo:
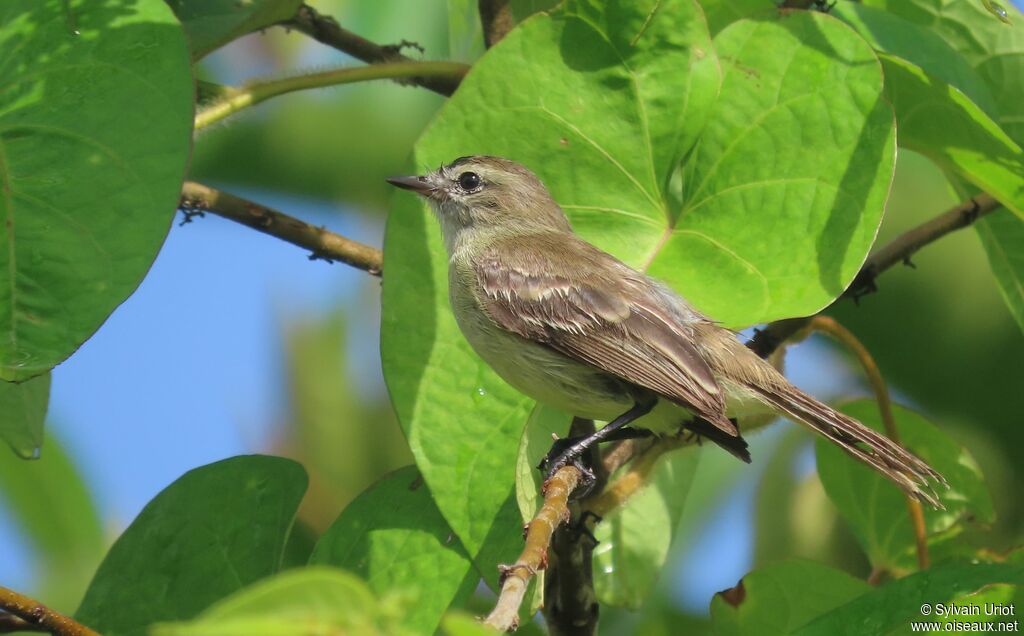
x=544 y=374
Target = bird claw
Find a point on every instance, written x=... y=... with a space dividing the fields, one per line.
x=565 y=453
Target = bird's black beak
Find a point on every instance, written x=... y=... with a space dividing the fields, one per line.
x=419 y=185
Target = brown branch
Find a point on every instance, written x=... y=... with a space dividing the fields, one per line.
x=326 y=30
x=832 y=328
x=635 y=477
x=38 y=615
x=196 y=198
x=497 y=20
x=516 y=577
x=899 y=250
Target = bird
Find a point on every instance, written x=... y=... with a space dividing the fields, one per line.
x=573 y=327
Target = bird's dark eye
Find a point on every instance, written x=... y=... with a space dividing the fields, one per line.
x=469 y=181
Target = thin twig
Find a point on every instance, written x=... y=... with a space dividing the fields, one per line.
x=321 y=243
x=516 y=577
x=326 y=30
x=635 y=477
x=38 y=615
x=256 y=92
x=899 y=250
x=497 y=20
x=831 y=327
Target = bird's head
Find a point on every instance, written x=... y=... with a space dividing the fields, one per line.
x=485 y=193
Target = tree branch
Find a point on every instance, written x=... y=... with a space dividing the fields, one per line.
x=516 y=577
x=899 y=250
x=831 y=327
x=326 y=30
x=256 y=92
x=321 y=243
x=497 y=20
x=38 y=615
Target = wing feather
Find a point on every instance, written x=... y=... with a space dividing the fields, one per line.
x=601 y=313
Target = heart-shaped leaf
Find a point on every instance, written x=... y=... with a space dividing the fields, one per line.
x=95 y=123
x=877 y=511
x=777 y=599
x=788 y=149
x=393 y=536
x=213 y=531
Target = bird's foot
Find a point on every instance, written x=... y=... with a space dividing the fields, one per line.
x=569 y=451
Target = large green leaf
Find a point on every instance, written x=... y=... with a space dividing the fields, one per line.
x=876 y=510
x=23 y=413
x=1002 y=234
x=48 y=501
x=941 y=123
x=722 y=13
x=210 y=533
x=635 y=538
x=210 y=24
x=394 y=537
x=312 y=601
x=917 y=44
x=887 y=607
x=781 y=597
x=95 y=122
x=776 y=210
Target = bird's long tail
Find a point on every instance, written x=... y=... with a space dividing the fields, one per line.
x=906 y=470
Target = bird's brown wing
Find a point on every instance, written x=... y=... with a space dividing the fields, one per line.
x=566 y=294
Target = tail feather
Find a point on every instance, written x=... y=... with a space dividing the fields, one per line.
x=734 y=443
x=906 y=470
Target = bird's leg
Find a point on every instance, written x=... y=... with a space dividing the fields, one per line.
x=569 y=450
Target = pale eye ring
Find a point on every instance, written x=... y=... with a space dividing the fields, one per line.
x=469 y=181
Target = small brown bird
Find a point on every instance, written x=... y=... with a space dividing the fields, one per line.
x=573 y=327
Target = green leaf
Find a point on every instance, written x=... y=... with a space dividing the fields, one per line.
x=1002 y=234
x=23 y=413
x=941 y=123
x=635 y=539
x=995 y=50
x=916 y=44
x=393 y=536
x=465 y=33
x=876 y=510
x=210 y=24
x=95 y=124
x=534 y=445
x=210 y=533
x=311 y=601
x=781 y=597
x=722 y=13
x=893 y=604
x=604 y=106
x=460 y=624
x=49 y=502
x=462 y=422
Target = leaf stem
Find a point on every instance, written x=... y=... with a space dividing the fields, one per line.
x=257 y=92
x=37 y=615
x=832 y=328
